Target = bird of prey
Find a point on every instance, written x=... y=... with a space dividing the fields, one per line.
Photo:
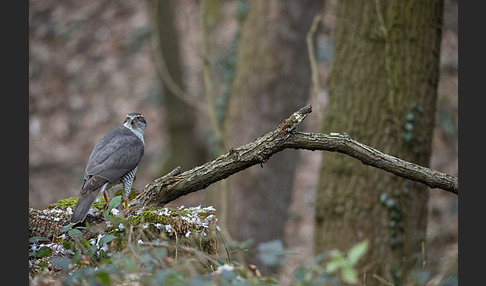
x=114 y=160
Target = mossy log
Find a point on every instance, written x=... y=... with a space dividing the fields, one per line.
x=190 y=226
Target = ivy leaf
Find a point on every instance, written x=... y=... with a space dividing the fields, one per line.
x=357 y=251
x=332 y=266
x=37 y=239
x=349 y=275
x=75 y=233
x=337 y=262
x=107 y=238
x=66 y=228
x=114 y=202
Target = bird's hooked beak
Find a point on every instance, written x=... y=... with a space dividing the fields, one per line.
x=132 y=121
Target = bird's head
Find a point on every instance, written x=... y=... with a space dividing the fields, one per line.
x=135 y=121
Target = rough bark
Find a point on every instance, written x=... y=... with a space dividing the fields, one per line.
x=382 y=92
x=342 y=143
x=272 y=78
x=47 y=223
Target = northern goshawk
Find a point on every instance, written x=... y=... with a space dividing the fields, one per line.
x=114 y=160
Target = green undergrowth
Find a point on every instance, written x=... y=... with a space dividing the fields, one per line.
x=175 y=246
x=178 y=246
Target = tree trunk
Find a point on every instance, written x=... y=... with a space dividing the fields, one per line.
x=382 y=92
x=272 y=80
x=186 y=150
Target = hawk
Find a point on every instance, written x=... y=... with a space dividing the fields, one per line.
x=114 y=160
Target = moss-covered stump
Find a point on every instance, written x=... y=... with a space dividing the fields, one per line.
x=182 y=232
x=49 y=222
x=185 y=225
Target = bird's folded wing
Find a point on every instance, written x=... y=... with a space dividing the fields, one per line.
x=115 y=155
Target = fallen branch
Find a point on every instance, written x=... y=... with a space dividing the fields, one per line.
x=168 y=188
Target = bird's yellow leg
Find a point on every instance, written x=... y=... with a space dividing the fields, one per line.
x=124 y=212
x=105 y=206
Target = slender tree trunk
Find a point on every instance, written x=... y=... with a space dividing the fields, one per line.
x=382 y=92
x=186 y=150
x=272 y=80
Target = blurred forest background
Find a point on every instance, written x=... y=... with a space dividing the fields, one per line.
x=91 y=63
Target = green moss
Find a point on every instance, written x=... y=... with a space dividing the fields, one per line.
x=152 y=216
x=64 y=204
x=180 y=212
x=98 y=205
x=148 y=216
x=71 y=202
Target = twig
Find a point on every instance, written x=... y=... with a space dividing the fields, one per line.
x=382 y=280
x=175 y=172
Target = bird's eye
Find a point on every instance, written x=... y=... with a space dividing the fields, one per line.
x=127 y=119
x=139 y=118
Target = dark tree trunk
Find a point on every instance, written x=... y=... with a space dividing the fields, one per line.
x=382 y=92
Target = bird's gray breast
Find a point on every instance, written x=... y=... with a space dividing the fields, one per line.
x=116 y=154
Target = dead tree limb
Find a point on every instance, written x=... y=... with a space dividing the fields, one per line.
x=369 y=156
x=166 y=189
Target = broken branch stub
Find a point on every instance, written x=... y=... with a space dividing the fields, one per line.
x=295 y=119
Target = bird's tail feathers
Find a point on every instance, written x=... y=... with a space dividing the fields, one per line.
x=83 y=206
